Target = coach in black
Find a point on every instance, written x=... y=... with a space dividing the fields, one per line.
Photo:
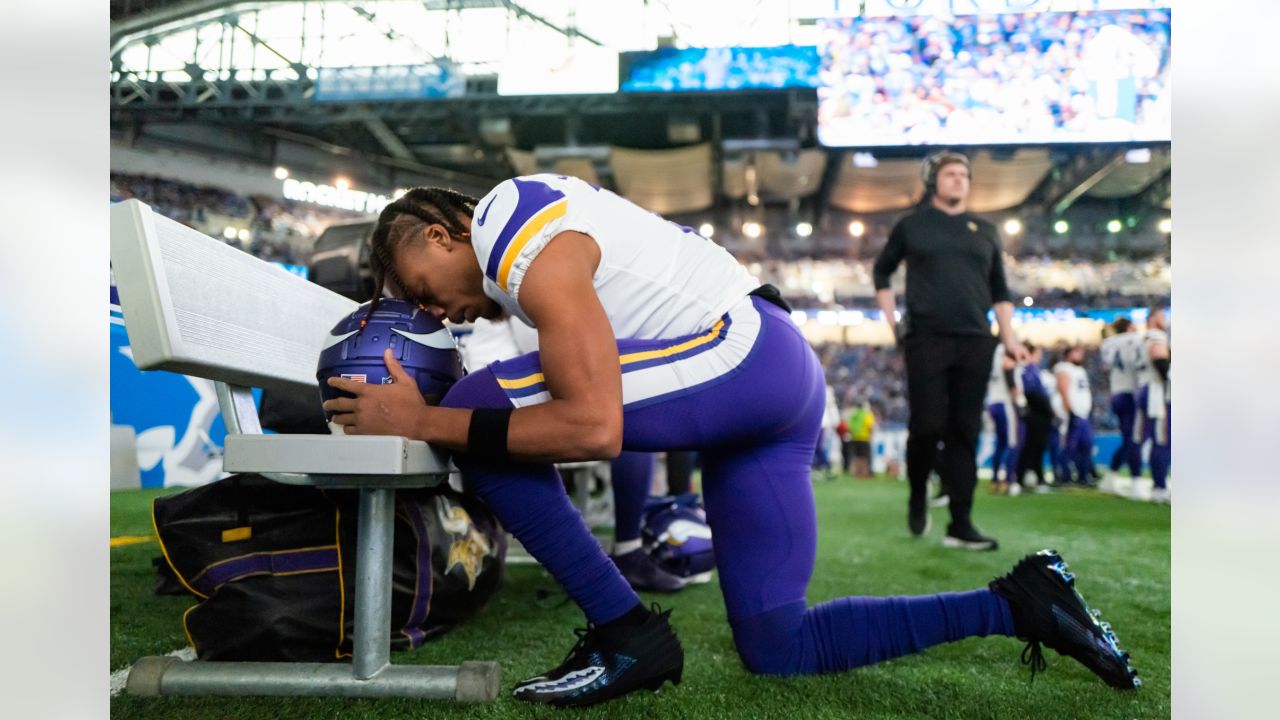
x=954 y=275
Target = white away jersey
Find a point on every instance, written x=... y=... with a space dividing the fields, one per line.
x=492 y=340
x=1157 y=387
x=1120 y=355
x=655 y=280
x=1147 y=373
x=1050 y=383
x=997 y=390
x=1078 y=393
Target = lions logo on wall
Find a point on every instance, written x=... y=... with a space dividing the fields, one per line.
x=469 y=547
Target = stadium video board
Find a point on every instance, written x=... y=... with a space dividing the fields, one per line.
x=727 y=68
x=1034 y=77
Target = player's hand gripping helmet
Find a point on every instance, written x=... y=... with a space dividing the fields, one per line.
x=424 y=346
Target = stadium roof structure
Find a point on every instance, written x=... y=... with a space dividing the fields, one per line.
x=242 y=78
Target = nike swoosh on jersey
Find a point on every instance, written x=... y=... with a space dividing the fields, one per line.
x=331 y=340
x=440 y=339
x=485 y=214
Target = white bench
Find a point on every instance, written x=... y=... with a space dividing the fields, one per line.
x=196 y=306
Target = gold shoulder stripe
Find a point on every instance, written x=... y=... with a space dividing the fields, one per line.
x=531 y=228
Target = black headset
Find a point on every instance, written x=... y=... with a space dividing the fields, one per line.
x=929 y=168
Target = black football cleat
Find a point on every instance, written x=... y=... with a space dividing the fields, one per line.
x=1047 y=609
x=642 y=572
x=609 y=662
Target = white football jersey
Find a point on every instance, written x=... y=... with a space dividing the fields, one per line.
x=1050 y=383
x=1078 y=393
x=1120 y=356
x=655 y=280
x=997 y=389
x=492 y=340
x=1148 y=377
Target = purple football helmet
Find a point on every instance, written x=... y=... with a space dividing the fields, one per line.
x=422 y=344
x=675 y=533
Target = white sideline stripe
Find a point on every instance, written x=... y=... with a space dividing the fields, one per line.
x=120 y=677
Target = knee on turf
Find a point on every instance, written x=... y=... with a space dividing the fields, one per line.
x=770 y=643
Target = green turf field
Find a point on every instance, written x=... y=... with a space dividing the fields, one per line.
x=1118 y=549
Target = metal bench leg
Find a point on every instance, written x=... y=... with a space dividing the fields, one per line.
x=374 y=537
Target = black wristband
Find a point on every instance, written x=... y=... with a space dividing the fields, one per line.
x=1162 y=366
x=487 y=433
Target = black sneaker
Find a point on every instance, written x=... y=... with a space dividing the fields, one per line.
x=967 y=537
x=610 y=662
x=644 y=573
x=1047 y=609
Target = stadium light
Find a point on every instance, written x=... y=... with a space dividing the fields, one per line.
x=1138 y=156
x=243 y=234
x=1114 y=226
x=804 y=229
x=1012 y=226
x=282 y=173
x=1027 y=301
x=1165 y=225
x=752 y=229
x=342 y=183
x=856 y=228
x=229 y=233
x=1061 y=227
x=706 y=230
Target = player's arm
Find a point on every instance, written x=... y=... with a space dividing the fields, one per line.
x=583 y=420
x=1158 y=351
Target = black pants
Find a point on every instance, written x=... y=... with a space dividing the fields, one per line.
x=946 y=382
x=680 y=464
x=1038 y=426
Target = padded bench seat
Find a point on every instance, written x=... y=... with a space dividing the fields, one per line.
x=334 y=455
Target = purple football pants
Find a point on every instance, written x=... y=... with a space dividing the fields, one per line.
x=1158 y=432
x=756 y=425
x=1124 y=405
x=631 y=475
x=1077 y=450
x=1004 y=455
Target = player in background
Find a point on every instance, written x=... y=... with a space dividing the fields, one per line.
x=1154 y=401
x=1058 y=425
x=1118 y=356
x=1004 y=419
x=1036 y=426
x=1077 y=403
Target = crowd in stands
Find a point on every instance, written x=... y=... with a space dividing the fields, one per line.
x=186 y=203
x=668 y=69
x=273 y=229
x=1050 y=283
x=1030 y=77
x=872 y=373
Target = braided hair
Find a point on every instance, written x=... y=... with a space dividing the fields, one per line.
x=416 y=208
